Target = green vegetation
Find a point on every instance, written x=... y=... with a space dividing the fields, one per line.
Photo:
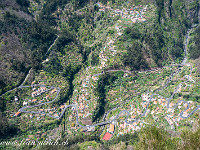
x=149 y=137
x=102 y=89
x=161 y=39
x=195 y=44
x=66 y=45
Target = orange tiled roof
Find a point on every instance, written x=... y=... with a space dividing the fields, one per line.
x=171 y=104
x=17 y=113
x=163 y=99
x=62 y=106
x=111 y=127
x=80 y=114
x=34 y=100
x=133 y=117
x=51 y=112
x=187 y=110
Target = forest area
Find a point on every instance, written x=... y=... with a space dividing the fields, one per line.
x=194 y=50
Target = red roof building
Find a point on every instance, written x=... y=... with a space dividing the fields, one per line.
x=107 y=136
x=17 y=114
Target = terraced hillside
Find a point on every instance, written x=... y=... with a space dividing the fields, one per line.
x=99 y=74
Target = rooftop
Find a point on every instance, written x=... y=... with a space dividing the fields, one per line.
x=107 y=136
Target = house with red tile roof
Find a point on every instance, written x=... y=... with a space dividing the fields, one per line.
x=34 y=100
x=107 y=136
x=17 y=114
x=62 y=106
x=133 y=117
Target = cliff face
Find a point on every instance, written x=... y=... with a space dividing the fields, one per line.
x=186 y=8
x=162 y=40
x=176 y=17
x=193 y=8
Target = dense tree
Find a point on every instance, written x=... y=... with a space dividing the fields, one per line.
x=134 y=57
x=194 y=49
x=6 y=129
x=105 y=80
x=65 y=38
x=53 y=66
x=23 y=3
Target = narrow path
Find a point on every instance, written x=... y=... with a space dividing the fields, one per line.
x=26 y=77
x=52 y=44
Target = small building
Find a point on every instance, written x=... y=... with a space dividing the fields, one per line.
x=17 y=114
x=53 y=91
x=171 y=104
x=25 y=103
x=112 y=128
x=47 y=96
x=16 y=98
x=51 y=112
x=90 y=129
x=80 y=115
x=133 y=117
x=56 y=115
x=62 y=106
x=107 y=136
x=34 y=100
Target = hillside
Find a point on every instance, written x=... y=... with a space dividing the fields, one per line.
x=129 y=70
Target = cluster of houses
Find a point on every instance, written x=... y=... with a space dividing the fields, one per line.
x=103 y=58
x=50 y=93
x=189 y=77
x=39 y=91
x=51 y=111
x=134 y=14
x=183 y=86
x=111 y=47
x=82 y=97
x=110 y=131
x=127 y=128
x=171 y=117
x=36 y=93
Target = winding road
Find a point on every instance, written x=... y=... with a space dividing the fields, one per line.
x=183 y=63
x=27 y=75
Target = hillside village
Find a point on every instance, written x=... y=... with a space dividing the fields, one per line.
x=134 y=14
x=86 y=103
x=84 y=100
